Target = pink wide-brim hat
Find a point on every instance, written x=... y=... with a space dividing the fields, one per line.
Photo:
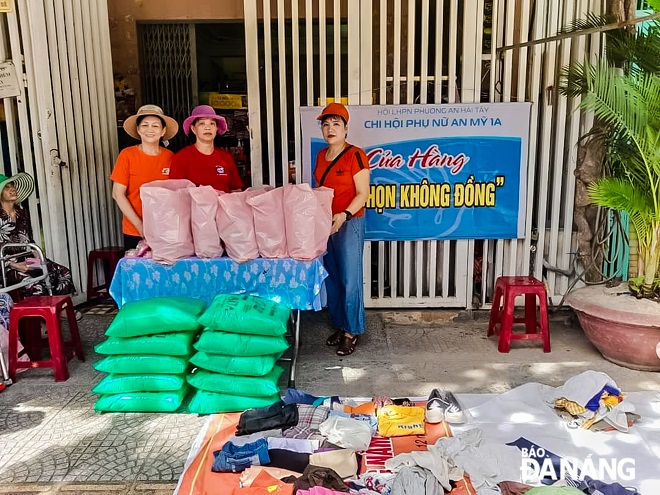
x=205 y=112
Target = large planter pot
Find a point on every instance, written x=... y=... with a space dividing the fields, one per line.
x=624 y=329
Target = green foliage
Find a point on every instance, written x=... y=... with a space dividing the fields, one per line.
x=623 y=92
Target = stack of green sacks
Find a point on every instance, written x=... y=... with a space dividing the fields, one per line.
x=238 y=350
x=148 y=348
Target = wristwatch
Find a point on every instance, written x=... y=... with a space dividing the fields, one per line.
x=349 y=215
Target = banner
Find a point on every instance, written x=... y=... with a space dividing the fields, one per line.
x=437 y=171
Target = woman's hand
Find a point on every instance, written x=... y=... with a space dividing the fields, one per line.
x=20 y=267
x=338 y=220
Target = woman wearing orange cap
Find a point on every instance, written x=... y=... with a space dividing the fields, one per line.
x=344 y=168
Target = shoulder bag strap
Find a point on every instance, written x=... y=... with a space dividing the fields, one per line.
x=327 y=170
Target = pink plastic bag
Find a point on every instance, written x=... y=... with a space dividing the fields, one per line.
x=235 y=226
x=166 y=219
x=269 y=227
x=203 y=212
x=308 y=220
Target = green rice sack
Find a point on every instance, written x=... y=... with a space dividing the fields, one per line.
x=156 y=315
x=204 y=402
x=141 y=364
x=122 y=384
x=235 y=365
x=251 y=386
x=237 y=344
x=246 y=314
x=164 y=344
x=142 y=401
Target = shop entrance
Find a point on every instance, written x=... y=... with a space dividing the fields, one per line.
x=187 y=64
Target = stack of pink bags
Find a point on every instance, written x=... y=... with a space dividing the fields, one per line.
x=181 y=220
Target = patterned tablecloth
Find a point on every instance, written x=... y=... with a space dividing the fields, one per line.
x=295 y=283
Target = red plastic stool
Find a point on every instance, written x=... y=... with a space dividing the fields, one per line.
x=110 y=257
x=48 y=308
x=502 y=322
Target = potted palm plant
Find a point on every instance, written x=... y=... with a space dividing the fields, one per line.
x=623 y=92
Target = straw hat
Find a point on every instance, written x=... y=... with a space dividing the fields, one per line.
x=171 y=126
x=205 y=112
x=24 y=185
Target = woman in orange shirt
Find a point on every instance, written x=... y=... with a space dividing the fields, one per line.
x=344 y=168
x=137 y=165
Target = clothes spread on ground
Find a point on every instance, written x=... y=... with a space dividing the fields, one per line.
x=590 y=397
x=234 y=459
x=416 y=481
x=287 y=459
x=318 y=476
x=278 y=415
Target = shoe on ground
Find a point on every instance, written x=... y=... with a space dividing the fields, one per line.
x=435 y=409
x=443 y=405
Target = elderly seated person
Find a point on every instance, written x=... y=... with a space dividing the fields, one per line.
x=15 y=227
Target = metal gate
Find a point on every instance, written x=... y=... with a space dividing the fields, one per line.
x=366 y=52
x=61 y=129
x=429 y=51
x=168 y=69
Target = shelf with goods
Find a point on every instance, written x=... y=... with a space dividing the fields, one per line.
x=233 y=107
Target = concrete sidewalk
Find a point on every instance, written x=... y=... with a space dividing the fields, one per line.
x=51 y=440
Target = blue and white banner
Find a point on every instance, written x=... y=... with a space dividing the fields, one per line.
x=437 y=171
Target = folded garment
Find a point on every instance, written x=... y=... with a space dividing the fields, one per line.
x=288 y=459
x=248 y=476
x=346 y=432
x=597 y=487
x=263 y=484
x=278 y=415
x=234 y=459
x=318 y=476
x=295 y=396
x=342 y=461
x=302 y=445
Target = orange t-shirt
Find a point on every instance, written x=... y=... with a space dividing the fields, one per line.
x=134 y=168
x=340 y=177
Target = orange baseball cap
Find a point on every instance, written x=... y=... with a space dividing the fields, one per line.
x=334 y=109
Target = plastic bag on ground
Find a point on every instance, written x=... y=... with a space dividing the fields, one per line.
x=269 y=226
x=203 y=213
x=236 y=226
x=166 y=219
x=308 y=220
x=204 y=402
x=142 y=401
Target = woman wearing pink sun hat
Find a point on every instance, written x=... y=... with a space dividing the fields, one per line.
x=203 y=163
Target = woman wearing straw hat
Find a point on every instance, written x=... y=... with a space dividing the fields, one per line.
x=15 y=227
x=137 y=165
x=203 y=163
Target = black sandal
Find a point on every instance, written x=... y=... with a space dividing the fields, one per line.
x=347 y=345
x=335 y=338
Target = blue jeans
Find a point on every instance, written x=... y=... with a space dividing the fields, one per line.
x=343 y=262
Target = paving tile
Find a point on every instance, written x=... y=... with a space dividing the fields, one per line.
x=38 y=463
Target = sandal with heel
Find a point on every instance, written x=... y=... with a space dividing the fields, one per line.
x=347 y=345
x=335 y=338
